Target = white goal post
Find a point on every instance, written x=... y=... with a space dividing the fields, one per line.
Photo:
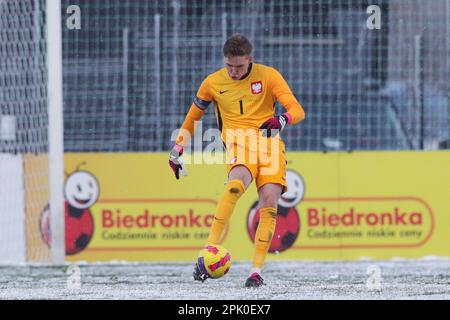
x=55 y=129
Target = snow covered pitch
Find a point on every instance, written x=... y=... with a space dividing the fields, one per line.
x=426 y=278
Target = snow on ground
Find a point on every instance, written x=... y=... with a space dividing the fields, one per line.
x=427 y=278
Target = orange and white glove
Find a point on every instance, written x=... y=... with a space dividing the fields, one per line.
x=175 y=162
x=276 y=124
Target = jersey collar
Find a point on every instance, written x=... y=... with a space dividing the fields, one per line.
x=248 y=72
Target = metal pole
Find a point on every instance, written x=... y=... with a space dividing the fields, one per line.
x=224 y=28
x=125 y=43
x=157 y=60
x=419 y=87
x=448 y=73
x=175 y=46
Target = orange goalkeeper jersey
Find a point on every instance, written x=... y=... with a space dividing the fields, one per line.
x=242 y=104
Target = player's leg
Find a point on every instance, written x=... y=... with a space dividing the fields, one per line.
x=269 y=194
x=239 y=178
x=271 y=183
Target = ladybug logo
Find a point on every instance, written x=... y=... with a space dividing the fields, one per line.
x=288 y=220
x=81 y=191
x=295 y=190
x=44 y=226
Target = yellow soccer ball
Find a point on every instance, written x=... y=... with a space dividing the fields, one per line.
x=214 y=261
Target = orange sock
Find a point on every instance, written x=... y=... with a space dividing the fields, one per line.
x=263 y=236
x=234 y=190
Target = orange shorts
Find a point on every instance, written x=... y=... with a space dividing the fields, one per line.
x=266 y=161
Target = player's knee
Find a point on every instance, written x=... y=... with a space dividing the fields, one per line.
x=241 y=173
x=268 y=200
x=235 y=189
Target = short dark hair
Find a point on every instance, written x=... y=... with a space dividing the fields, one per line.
x=237 y=45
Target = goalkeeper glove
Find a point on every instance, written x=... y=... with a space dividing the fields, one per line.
x=275 y=123
x=175 y=162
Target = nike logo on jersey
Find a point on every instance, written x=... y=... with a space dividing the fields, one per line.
x=223 y=91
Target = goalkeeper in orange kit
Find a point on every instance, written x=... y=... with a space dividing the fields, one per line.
x=244 y=95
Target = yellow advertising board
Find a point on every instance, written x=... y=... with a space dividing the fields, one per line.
x=339 y=206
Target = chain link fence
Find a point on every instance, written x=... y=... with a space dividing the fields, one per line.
x=132 y=69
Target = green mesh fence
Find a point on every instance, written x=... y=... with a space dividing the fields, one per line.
x=132 y=70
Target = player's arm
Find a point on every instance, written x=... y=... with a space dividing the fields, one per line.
x=187 y=130
x=283 y=94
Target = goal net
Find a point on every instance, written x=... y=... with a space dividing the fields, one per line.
x=25 y=231
x=23 y=119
